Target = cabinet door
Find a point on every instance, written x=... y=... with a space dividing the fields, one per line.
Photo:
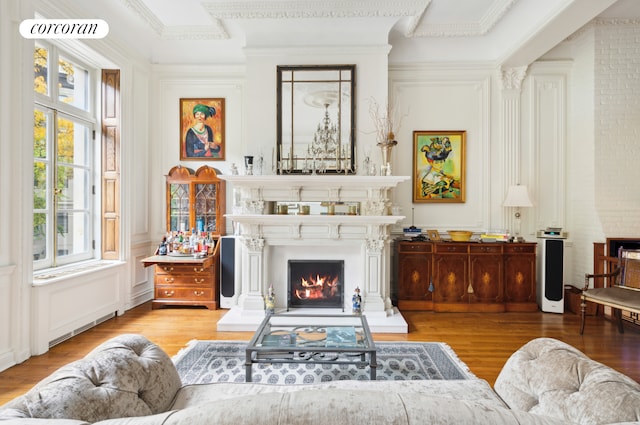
x=206 y=207
x=450 y=278
x=486 y=278
x=414 y=276
x=520 y=276
x=179 y=207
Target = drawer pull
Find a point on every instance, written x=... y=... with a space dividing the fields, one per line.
x=169 y=279
x=169 y=293
x=198 y=293
x=196 y=280
x=168 y=269
x=198 y=270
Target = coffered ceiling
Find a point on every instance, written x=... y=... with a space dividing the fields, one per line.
x=506 y=32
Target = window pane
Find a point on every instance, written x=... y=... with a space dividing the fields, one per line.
x=71 y=231
x=39 y=236
x=72 y=188
x=40 y=124
x=41 y=70
x=73 y=142
x=39 y=186
x=73 y=83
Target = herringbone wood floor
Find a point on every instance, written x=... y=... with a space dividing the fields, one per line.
x=484 y=341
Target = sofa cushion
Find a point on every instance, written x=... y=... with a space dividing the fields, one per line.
x=549 y=377
x=125 y=376
x=353 y=407
x=476 y=390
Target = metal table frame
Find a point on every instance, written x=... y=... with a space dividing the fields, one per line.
x=314 y=350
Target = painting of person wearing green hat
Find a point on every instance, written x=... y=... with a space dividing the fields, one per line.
x=202 y=128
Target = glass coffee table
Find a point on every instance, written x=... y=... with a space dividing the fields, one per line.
x=317 y=339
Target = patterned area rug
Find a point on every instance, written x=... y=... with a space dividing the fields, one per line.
x=204 y=362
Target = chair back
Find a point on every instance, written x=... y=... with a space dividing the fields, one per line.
x=629 y=268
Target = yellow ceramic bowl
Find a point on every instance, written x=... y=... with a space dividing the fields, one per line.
x=460 y=235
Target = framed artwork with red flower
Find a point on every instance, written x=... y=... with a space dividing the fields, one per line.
x=439 y=166
x=202 y=129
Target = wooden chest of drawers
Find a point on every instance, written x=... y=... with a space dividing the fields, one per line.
x=184 y=281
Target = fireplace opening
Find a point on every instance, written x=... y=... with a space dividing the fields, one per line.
x=316 y=284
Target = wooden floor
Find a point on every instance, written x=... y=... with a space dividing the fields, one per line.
x=484 y=341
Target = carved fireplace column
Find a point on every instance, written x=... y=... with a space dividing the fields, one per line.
x=376 y=272
x=252 y=273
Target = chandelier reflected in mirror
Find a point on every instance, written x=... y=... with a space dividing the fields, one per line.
x=326 y=147
x=325 y=140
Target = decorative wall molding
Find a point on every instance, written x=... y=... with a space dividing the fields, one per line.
x=313 y=9
x=183 y=32
x=494 y=13
x=511 y=78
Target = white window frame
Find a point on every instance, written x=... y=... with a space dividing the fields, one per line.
x=54 y=108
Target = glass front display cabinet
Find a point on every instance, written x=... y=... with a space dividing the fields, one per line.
x=195 y=200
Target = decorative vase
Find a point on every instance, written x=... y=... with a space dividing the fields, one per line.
x=385 y=148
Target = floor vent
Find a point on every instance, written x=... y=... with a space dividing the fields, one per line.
x=60 y=339
x=81 y=329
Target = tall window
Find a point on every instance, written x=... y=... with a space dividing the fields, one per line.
x=64 y=166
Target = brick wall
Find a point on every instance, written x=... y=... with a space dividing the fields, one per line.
x=617 y=126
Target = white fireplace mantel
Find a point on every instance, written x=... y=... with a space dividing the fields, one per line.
x=267 y=241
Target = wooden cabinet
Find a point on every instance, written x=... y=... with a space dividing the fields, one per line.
x=414 y=274
x=520 y=277
x=185 y=280
x=466 y=276
x=195 y=200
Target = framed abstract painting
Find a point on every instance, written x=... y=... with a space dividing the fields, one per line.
x=439 y=166
x=202 y=129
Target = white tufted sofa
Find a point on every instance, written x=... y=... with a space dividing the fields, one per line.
x=131 y=381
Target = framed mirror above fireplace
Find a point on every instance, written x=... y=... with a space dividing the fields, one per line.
x=315 y=119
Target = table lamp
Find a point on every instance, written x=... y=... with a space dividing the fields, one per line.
x=517 y=197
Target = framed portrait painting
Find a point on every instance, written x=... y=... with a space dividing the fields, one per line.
x=202 y=129
x=439 y=166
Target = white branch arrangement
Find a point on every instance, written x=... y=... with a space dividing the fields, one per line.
x=386 y=120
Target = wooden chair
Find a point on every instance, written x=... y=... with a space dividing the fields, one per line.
x=621 y=290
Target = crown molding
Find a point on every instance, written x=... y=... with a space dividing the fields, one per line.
x=617 y=21
x=202 y=32
x=296 y=9
x=177 y=32
x=468 y=29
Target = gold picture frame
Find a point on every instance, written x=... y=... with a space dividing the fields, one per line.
x=433 y=235
x=202 y=129
x=439 y=166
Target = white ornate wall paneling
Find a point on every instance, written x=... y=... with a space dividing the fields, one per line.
x=7 y=356
x=439 y=97
x=543 y=157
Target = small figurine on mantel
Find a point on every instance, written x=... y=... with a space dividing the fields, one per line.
x=356 y=301
x=270 y=301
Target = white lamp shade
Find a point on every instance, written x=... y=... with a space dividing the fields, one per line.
x=517 y=196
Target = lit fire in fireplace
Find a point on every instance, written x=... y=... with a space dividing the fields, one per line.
x=320 y=287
